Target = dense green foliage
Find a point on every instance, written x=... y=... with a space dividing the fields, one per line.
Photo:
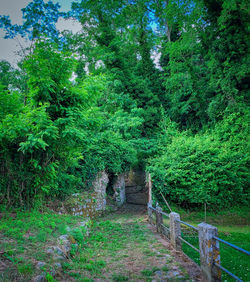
x=209 y=167
x=159 y=84
x=59 y=138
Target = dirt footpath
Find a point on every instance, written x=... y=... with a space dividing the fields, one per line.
x=127 y=248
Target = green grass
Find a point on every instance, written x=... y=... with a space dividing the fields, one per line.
x=226 y=218
x=234 y=261
x=119 y=278
x=106 y=239
x=25 y=269
x=112 y=247
x=24 y=237
x=165 y=268
x=147 y=272
x=120 y=247
x=150 y=272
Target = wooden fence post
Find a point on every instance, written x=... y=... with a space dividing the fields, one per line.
x=159 y=219
x=150 y=217
x=149 y=188
x=209 y=252
x=175 y=230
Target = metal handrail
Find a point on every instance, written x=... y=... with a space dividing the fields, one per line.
x=215 y=237
x=190 y=245
x=166 y=214
x=185 y=223
x=228 y=272
x=163 y=213
x=165 y=226
x=152 y=208
x=232 y=246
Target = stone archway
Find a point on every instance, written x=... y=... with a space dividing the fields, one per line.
x=131 y=188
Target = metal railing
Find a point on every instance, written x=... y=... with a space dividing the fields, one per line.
x=234 y=247
x=208 y=242
x=189 y=225
x=190 y=245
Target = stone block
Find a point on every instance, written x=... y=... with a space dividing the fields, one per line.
x=137 y=198
x=209 y=252
x=175 y=230
x=100 y=185
x=134 y=189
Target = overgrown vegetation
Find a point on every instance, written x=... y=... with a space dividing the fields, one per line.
x=113 y=243
x=158 y=84
x=209 y=167
x=25 y=238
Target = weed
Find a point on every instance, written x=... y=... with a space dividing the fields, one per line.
x=85 y=279
x=78 y=234
x=160 y=256
x=74 y=274
x=147 y=272
x=49 y=277
x=42 y=236
x=148 y=253
x=119 y=277
x=93 y=266
x=25 y=269
x=155 y=268
x=73 y=250
x=165 y=268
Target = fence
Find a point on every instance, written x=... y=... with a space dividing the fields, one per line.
x=209 y=249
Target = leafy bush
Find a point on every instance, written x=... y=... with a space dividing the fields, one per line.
x=57 y=138
x=209 y=167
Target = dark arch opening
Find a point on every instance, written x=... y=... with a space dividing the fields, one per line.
x=109 y=189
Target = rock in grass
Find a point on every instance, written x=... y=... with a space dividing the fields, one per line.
x=40 y=264
x=59 y=258
x=50 y=251
x=173 y=274
x=158 y=273
x=40 y=278
x=65 y=242
x=64 y=237
x=57 y=265
x=59 y=251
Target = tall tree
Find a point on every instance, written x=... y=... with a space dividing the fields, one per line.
x=225 y=43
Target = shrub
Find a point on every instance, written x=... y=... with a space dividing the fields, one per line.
x=210 y=167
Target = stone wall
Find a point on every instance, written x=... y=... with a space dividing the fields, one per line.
x=136 y=187
x=119 y=190
x=131 y=188
x=100 y=185
x=88 y=204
